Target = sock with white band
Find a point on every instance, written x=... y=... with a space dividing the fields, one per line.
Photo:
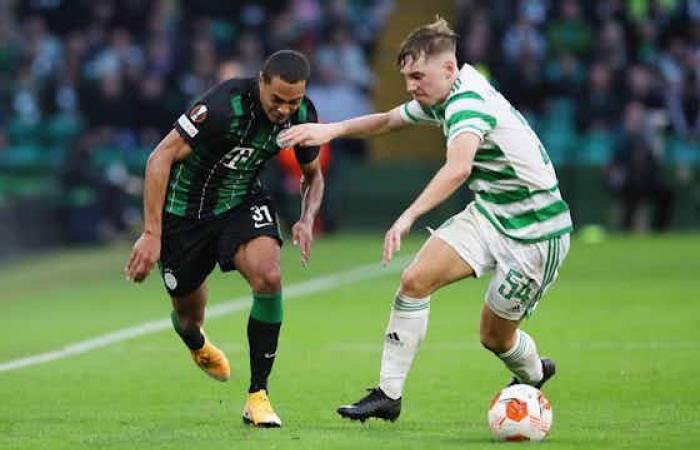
x=523 y=359
x=406 y=330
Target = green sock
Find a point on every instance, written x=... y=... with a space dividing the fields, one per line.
x=267 y=307
x=264 y=326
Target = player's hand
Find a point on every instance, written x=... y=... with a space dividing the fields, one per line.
x=303 y=236
x=145 y=254
x=392 y=239
x=308 y=134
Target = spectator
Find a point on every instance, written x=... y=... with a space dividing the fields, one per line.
x=570 y=32
x=672 y=61
x=523 y=38
x=612 y=46
x=42 y=48
x=636 y=172
x=202 y=75
x=525 y=85
x=645 y=41
x=684 y=106
x=565 y=76
x=342 y=55
x=9 y=50
x=25 y=101
x=160 y=56
x=4 y=143
x=599 y=103
x=330 y=89
x=111 y=103
x=643 y=86
x=475 y=45
x=251 y=54
x=131 y=65
x=153 y=115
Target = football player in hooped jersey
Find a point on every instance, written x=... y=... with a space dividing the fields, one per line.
x=518 y=225
x=204 y=205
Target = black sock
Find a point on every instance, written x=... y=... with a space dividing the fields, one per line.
x=193 y=338
x=262 y=339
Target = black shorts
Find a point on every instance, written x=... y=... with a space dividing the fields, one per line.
x=191 y=248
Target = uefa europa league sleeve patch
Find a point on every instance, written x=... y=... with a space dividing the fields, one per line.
x=198 y=113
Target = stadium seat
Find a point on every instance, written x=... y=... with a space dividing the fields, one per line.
x=596 y=148
x=23 y=132
x=61 y=130
x=682 y=151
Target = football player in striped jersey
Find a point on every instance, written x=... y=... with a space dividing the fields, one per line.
x=205 y=205
x=517 y=227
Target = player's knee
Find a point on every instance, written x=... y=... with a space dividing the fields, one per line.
x=268 y=279
x=187 y=322
x=415 y=284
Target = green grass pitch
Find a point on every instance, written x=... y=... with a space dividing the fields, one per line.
x=621 y=322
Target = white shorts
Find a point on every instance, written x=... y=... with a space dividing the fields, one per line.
x=523 y=271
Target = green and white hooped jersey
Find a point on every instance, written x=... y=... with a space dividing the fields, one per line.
x=512 y=177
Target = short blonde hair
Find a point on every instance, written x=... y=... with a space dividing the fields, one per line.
x=428 y=40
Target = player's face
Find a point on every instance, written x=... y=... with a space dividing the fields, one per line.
x=281 y=99
x=428 y=80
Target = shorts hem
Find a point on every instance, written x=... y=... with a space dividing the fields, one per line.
x=514 y=318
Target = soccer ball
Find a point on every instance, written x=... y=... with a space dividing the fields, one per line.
x=520 y=413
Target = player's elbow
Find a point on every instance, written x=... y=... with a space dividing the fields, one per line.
x=460 y=173
x=312 y=178
x=391 y=122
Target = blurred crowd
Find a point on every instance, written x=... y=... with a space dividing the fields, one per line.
x=88 y=87
x=613 y=83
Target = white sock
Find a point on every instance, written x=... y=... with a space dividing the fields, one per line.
x=523 y=359
x=407 y=327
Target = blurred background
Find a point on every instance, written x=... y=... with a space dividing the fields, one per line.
x=88 y=88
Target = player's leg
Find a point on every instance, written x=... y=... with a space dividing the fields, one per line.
x=524 y=272
x=515 y=348
x=188 y=319
x=187 y=257
x=188 y=316
x=436 y=265
x=258 y=260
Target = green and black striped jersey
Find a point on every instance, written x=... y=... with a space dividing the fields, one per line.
x=231 y=138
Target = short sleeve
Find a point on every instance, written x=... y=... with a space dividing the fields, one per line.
x=306 y=114
x=467 y=112
x=412 y=112
x=206 y=116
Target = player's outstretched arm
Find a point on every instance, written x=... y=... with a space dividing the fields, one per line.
x=309 y=134
x=455 y=171
x=311 y=197
x=146 y=251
